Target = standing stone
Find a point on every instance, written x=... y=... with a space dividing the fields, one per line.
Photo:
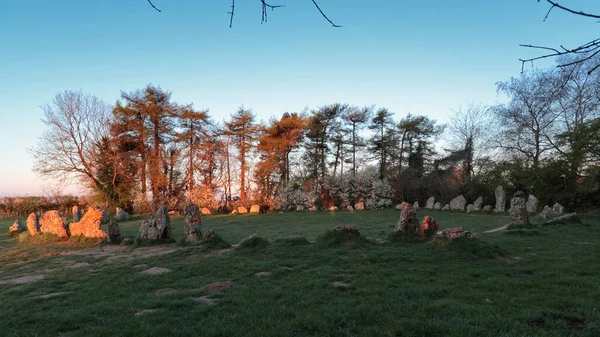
x=500 y=199
x=333 y=208
x=193 y=222
x=313 y=208
x=350 y=208
x=89 y=225
x=121 y=215
x=360 y=206
x=242 y=210
x=446 y=207
x=518 y=209
x=205 y=211
x=487 y=209
x=532 y=203
x=158 y=226
x=546 y=212
x=52 y=222
x=254 y=209
x=105 y=217
x=17 y=227
x=76 y=210
x=114 y=232
x=299 y=208
x=458 y=203
x=33 y=224
x=408 y=220
x=430 y=203
x=478 y=204
x=416 y=205
x=398 y=207
x=437 y=206
x=470 y=208
x=557 y=210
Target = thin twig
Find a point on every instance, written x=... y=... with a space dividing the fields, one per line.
x=232 y=12
x=151 y=4
x=325 y=16
x=572 y=11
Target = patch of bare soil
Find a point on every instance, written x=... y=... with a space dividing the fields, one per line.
x=205 y=300
x=23 y=279
x=80 y=265
x=155 y=271
x=140 y=267
x=112 y=253
x=51 y=295
x=144 y=312
x=219 y=287
x=497 y=229
x=164 y=291
x=263 y=274
x=340 y=284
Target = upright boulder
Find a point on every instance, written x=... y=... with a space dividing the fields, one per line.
x=17 y=227
x=193 y=222
x=52 y=222
x=408 y=220
x=89 y=225
x=446 y=207
x=430 y=203
x=33 y=224
x=532 y=203
x=437 y=206
x=487 y=209
x=205 y=211
x=557 y=210
x=121 y=215
x=478 y=204
x=546 y=212
x=458 y=203
x=518 y=209
x=114 y=232
x=360 y=206
x=242 y=210
x=416 y=205
x=470 y=208
x=76 y=211
x=500 y=199
x=254 y=209
x=158 y=226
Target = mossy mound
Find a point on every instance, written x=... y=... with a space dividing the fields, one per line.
x=254 y=242
x=470 y=247
x=343 y=236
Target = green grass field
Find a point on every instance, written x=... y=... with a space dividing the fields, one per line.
x=543 y=281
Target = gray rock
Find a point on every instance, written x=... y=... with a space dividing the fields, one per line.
x=458 y=203
x=437 y=206
x=313 y=208
x=446 y=207
x=558 y=209
x=333 y=208
x=360 y=206
x=193 y=222
x=532 y=203
x=158 y=226
x=470 y=208
x=121 y=215
x=76 y=211
x=565 y=218
x=242 y=210
x=89 y=225
x=299 y=208
x=500 y=199
x=408 y=220
x=430 y=203
x=105 y=217
x=254 y=209
x=416 y=205
x=546 y=212
x=350 y=208
x=114 y=232
x=52 y=222
x=33 y=224
x=518 y=209
x=126 y=242
x=17 y=227
x=478 y=204
x=398 y=207
x=487 y=209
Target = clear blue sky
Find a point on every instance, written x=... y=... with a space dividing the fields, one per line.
x=424 y=57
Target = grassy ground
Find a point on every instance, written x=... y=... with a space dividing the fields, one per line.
x=542 y=281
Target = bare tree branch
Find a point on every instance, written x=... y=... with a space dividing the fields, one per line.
x=325 y=16
x=572 y=11
x=151 y=4
x=232 y=12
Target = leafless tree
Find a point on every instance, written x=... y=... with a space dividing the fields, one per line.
x=76 y=122
x=588 y=50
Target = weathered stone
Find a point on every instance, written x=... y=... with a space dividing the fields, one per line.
x=126 y=242
x=438 y=206
x=299 y=208
x=235 y=211
x=500 y=199
x=518 y=209
x=210 y=236
x=313 y=208
x=17 y=227
x=478 y=204
x=416 y=205
x=565 y=218
x=360 y=206
x=446 y=207
x=532 y=203
x=76 y=211
x=458 y=203
x=487 y=209
x=557 y=210
x=33 y=224
x=205 y=211
x=254 y=209
x=398 y=207
x=470 y=208
x=453 y=233
x=121 y=215
x=408 y=220
x=114 y=232
x=333 y=208
x=242 y=210
x=89 y=225
x=546 y=212
x=158 y=226
x=52 y=222
x=192 y=223
x=105 y=217
x=430 y=203
x=350 y=208
x=429 y=226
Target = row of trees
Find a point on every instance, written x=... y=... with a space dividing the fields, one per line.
x=147 y=150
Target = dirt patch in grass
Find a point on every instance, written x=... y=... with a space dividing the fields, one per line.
x=164 y=291
x=340 y=284
x=205 y=300
x=144 y=312
x=112 y=253
x=80 y=265
x=219 y=287
x=23 y=279
x=263 y=274
x=51 y=295
x=155 y=271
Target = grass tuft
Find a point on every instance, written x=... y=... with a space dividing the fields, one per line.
x=212 y=240
x=254 y=242
x=343 y=236
x=40 y=239
x=468 y=247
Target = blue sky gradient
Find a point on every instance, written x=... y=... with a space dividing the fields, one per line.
x=424 y=57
